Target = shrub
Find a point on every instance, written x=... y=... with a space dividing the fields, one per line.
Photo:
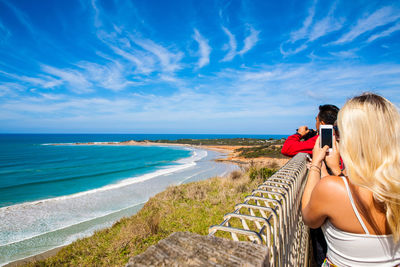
x=261 y=173
x=235 y=175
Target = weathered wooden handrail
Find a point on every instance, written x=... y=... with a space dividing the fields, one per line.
x=271 y=215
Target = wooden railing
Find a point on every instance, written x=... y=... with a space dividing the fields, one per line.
x=271 y=215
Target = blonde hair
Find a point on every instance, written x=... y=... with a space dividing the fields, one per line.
x=369 y=128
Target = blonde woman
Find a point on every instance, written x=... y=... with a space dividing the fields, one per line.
x=359 y=213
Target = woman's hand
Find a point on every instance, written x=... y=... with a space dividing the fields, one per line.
x=333 y=158
x=318 y=153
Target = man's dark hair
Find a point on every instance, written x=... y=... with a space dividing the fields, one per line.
x=328 y=113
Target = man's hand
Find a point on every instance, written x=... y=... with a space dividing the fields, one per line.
x=303 y=130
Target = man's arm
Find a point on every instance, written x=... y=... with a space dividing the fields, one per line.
x=293 y=145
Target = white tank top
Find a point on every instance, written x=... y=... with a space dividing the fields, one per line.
x=349 y=249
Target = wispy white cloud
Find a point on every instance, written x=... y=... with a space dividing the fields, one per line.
x=204 y=49
x=44 y=81
x=169 y=61
x=259 y=75
x=97 y=21
x=144 y=64
x=385 y=33
x=143 y=53
x=121 y=45
x=250 y=41
x=370 y=22
x=82 y=79
x=303 y=31
x=50 y=96
x=109 y=76
x=231 y=47
x=74 y=79
x=326 y=25
x=349 y=54
x=147 y=55
x=311 y=30
x=323 y=27
x=10 y=89
x=170 y=78
x=296 y=50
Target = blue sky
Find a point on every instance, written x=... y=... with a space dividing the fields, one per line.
x=256 y=67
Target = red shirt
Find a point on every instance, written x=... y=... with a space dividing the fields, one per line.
x=293 y=145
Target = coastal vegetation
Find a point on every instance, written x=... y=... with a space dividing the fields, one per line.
x=249 y=147
x=191 y=207
x=272 y=150
x=224 y=141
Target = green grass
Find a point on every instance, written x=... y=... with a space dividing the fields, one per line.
x=192 y=207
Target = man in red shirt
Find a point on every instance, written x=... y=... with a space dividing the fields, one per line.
x=293 y=144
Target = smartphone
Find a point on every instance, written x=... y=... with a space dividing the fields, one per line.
x=326 y=136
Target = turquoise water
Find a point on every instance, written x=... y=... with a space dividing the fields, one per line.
x=32 y=171
x=52 y=195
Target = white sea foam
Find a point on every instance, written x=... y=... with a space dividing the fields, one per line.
x=190 y=177
x=67 y=226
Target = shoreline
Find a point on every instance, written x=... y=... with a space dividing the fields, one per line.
x=38 y=257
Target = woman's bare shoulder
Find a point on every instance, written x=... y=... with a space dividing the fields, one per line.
x=332 y=181
x=332 y=188
x=325 y=197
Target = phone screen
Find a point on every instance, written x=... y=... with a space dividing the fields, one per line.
x=326 y=137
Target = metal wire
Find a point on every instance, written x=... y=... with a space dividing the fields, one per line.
x=271 y=215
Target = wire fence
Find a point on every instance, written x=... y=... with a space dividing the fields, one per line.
x=271 y=215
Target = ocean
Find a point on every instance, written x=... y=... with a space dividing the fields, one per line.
x=51 y=195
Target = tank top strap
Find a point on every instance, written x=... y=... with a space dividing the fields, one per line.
x=354 y=206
